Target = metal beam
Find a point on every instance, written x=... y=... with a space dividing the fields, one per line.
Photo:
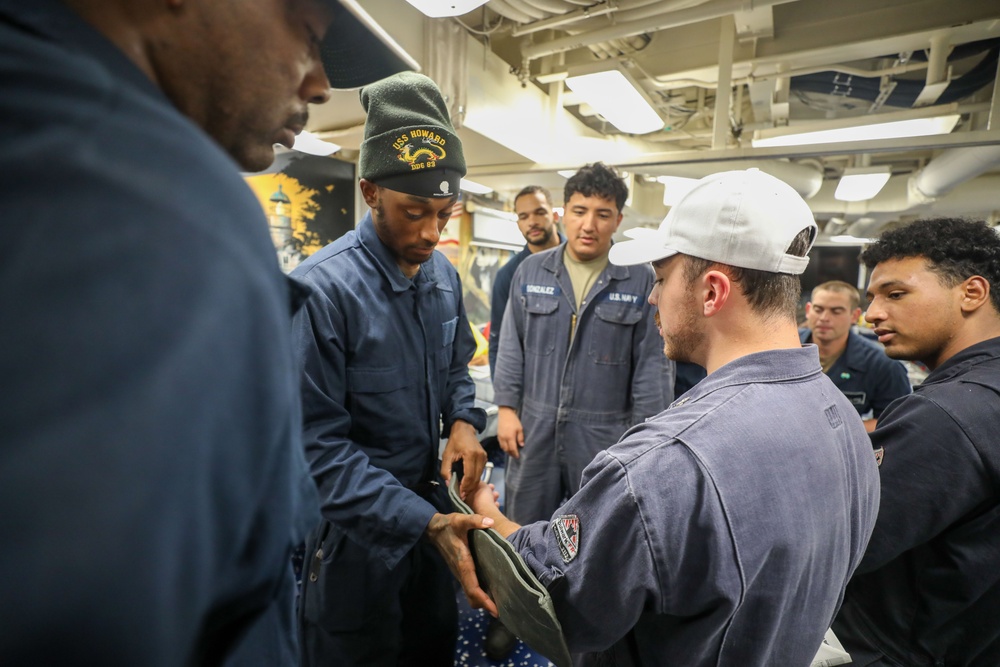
x=905 y=144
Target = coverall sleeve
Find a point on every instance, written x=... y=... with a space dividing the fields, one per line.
x=498 y=304
x=636 y=552
x=460 y=393
x=368 y=502
x=653 y=374
x=925 y=452
x=508 y=382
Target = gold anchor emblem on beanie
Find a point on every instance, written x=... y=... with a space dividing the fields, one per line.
x=426 y=156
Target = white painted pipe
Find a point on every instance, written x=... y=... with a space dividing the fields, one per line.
x=952 y=167
x=682 y=17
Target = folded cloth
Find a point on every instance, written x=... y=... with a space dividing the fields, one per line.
x=523 y=603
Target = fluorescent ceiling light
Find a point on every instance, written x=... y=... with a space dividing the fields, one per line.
x=307 y=142
x=473 y=187
x=617 y=97
x=861 y=183
x=675 y=187
x=913 y=127
x=853 y=240
x=437 y=9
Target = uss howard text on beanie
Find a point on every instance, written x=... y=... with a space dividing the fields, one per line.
x=410 y=145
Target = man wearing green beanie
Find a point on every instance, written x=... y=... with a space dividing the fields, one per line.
x=386 y=344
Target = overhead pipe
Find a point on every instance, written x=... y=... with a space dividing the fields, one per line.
x=805 y=177
x=508 y=12
x=525 y=8
x=952 y=167
x=556 y=7
x=652 y=24
x=645 y=10
x=560 y=21
x=723 y=92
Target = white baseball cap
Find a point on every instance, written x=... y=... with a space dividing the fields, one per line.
x=745 y=219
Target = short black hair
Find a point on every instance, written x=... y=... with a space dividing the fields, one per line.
x=956 y=249
x=532 y=189
x=597 y=180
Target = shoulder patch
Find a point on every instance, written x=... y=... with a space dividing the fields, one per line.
x=567 y=532
x=879 y=454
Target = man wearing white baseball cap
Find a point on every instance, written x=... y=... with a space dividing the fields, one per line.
x=723 y=530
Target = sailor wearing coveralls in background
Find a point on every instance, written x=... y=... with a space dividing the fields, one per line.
x=386 y=347
x=858 y=366
x=578 y=364
x=713 y=534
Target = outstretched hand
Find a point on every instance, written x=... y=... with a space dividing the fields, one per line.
x=450 y=534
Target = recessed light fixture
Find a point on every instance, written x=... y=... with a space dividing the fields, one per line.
x=474 y=188
x=861 y=183
x=437 y=9
x=859 y=129
x=617 y=97
x=852 y=240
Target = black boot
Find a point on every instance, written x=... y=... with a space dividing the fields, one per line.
x=499 y=641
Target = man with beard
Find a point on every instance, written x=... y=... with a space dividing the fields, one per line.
x=714 y=533
x=152 y=483
x=537 y=222
x=386 y=346
x=928 y=589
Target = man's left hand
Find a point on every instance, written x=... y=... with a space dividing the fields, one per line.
x=450 y=534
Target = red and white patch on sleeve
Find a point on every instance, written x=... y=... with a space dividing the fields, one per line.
x=567 y=532
x=879 y=454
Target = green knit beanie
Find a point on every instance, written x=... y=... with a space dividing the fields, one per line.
x=410 y=145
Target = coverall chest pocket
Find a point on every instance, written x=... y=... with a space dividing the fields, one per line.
x=611 y=338
x=375 y=395
x=540 y=324
x=448 y=331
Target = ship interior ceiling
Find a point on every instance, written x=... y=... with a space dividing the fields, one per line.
x=721 y=76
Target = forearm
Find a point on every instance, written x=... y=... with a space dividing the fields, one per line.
x=367 y=502
x=501 y=524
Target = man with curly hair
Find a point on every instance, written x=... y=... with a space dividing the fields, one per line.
x=928 y=589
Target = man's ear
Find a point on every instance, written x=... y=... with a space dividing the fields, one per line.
x=718 y=288
x=975 y=293
x=369 y=191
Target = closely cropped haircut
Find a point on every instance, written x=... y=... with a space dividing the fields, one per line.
x=769 y=294
x=956 y=249
x=840 y=287
x=532 y=189
x=597 y=180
